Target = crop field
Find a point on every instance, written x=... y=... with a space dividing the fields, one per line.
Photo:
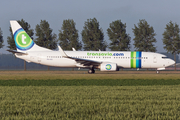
x=78 y=95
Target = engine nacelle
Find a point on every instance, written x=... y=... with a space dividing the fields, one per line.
x=108 y=67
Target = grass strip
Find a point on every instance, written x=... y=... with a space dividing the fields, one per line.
x=90 y=102
x=74 y=82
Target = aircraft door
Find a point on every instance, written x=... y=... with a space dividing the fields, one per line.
x=39 y=58
x=154 y=58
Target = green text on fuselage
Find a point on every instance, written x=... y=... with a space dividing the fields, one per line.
x=99 y=54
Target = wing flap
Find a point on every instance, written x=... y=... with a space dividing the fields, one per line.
x=86 y=62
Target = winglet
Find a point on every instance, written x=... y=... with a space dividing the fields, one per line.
x=62 y=52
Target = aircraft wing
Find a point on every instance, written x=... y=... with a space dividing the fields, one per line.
x=84 y=62
x=13 y=51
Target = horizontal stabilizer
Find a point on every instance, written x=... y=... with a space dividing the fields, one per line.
x=13 y=51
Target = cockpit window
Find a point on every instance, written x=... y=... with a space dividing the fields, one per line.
x=165 y=57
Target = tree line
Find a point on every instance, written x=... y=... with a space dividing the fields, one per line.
x=93 y=36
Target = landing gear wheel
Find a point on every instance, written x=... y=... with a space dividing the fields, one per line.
x=90 y=71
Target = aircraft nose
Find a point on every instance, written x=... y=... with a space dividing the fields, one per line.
x=171 y=62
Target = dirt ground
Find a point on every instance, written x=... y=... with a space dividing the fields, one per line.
x=50 y=75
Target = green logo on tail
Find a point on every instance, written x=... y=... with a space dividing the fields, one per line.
x=22 y=40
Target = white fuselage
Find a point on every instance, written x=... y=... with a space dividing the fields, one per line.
x=123 y=59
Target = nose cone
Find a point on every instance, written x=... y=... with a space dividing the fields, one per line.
x=171 y=62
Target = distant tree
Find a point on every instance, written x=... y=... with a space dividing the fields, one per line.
x=10 y=39
x=171 y=39
x=120 y=40
x=68 y=36
x=144 y=37
x=1 y=39
x=92 y=36
x=26 y=26
x=45 y=37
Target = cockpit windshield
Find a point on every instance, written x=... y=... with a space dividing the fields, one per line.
x=165 y=57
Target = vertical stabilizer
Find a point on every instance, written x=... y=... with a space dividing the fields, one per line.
x=22 y=40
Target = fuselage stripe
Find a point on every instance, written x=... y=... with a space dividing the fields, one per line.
x=140 y=59
x=131 y=59
x=135 y=59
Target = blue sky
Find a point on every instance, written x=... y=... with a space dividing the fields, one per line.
x=156 y=12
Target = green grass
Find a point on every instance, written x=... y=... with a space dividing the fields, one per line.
x=90 y=102
x=55 y=95
x=82 y=82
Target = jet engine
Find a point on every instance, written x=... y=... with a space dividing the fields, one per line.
x=108 y=67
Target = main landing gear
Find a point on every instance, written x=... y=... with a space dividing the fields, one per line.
x=157 y=72
x=90 y=71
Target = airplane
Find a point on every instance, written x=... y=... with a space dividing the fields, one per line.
x=103 y=60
